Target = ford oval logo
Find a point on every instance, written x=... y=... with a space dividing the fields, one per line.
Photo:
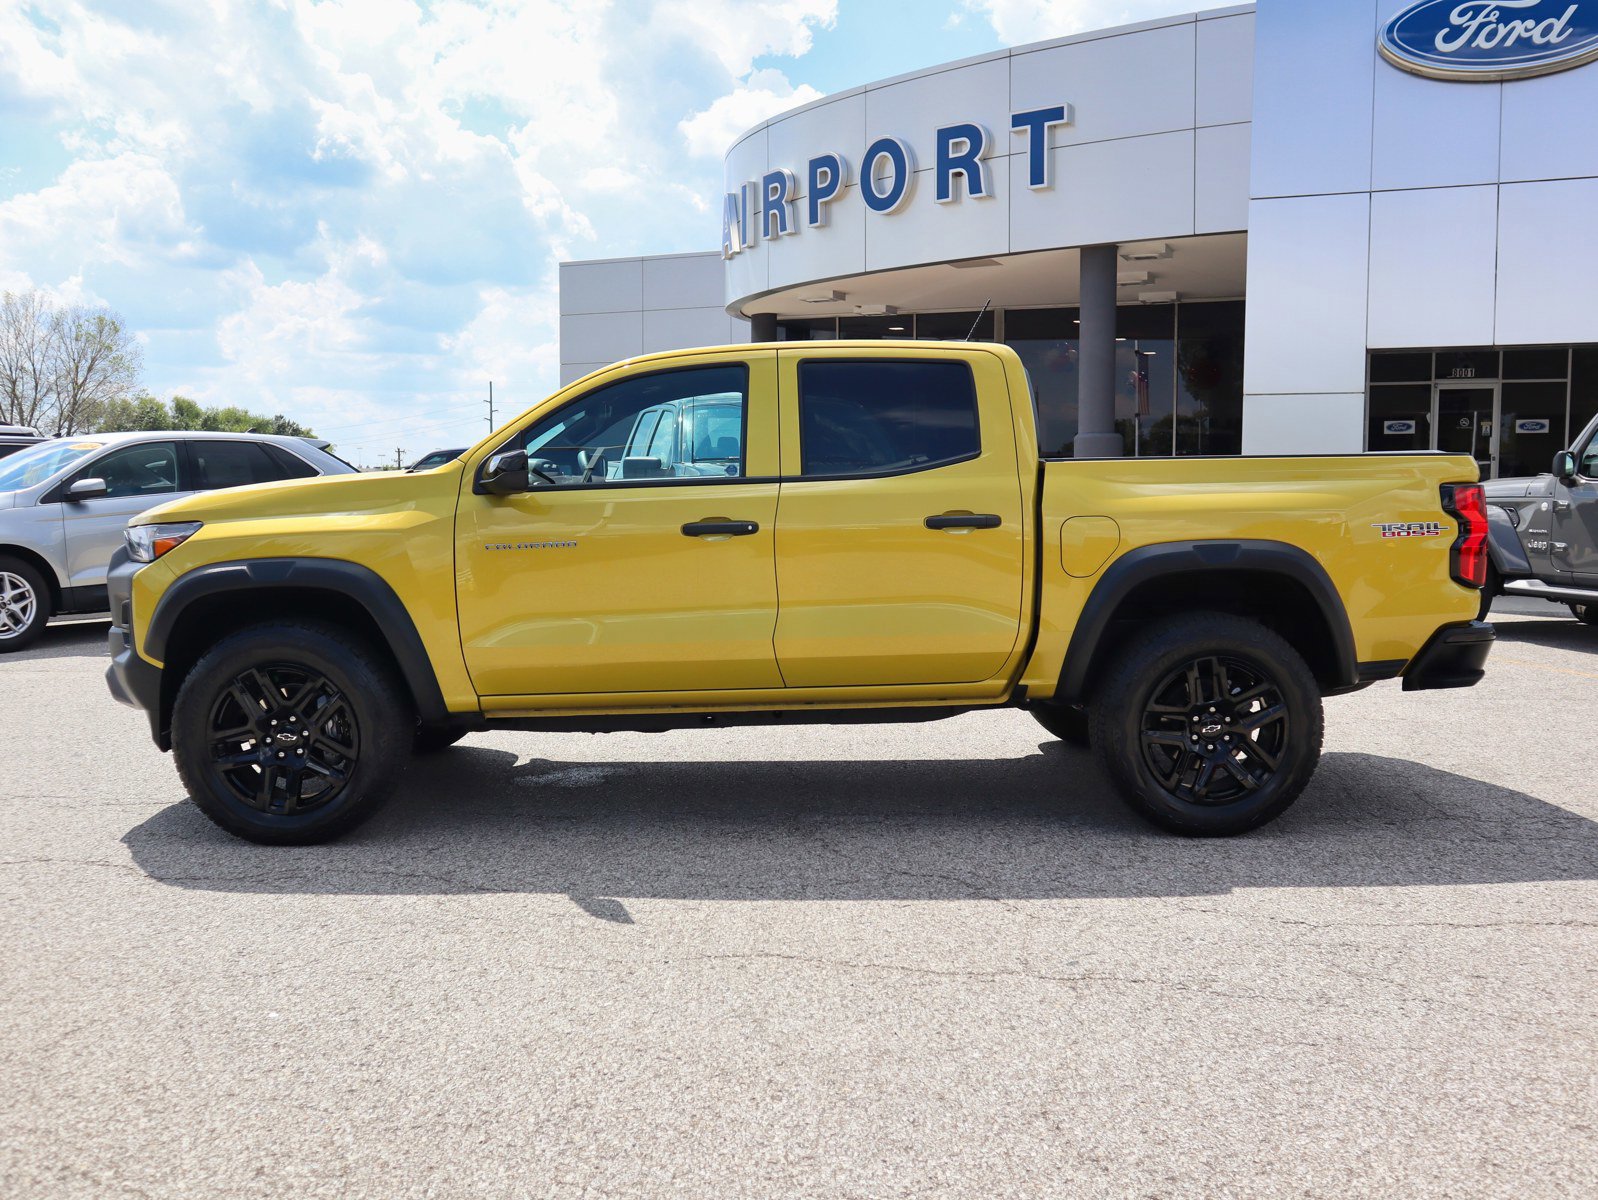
x=1489 y=40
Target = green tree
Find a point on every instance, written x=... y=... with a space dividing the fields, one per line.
x=187 y=414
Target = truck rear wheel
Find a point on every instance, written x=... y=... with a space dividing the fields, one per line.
x=290 y=733
x=1209 y=725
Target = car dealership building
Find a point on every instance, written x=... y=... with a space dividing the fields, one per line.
x=1296 y=227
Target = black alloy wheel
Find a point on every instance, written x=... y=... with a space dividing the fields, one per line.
x=1587 y=614
x=1209 y=724
x=283 y=739
x=291 y=732
x=1215 y=729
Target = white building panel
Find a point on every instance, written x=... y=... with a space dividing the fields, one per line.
x=836 y=125
x=601 y=337
x=1548 y=262
x=682 y=281
x=1121 y=86
x=926 y=231
x=1220 y=179
x=1225 y=66
x=1548 y=126
x=1122 y=191
x=1313 y=65
x=838 y=248
x=1328 y=423
x=600 y=287
x=677 y=328
x=915 y=108
x=1433 y=260
x=1432 y=134
x=1307 y=263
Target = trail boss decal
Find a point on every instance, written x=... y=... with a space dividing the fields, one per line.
x=1491 y=40
x=1409 y=529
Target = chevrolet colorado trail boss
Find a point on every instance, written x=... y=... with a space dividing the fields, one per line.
x=786 y=534
x=1543 y=533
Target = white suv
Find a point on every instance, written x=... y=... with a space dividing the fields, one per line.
x=65 y=502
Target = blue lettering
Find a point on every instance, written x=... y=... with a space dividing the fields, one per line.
x=828 y=173
x=776 y=204
x=732 y=223
x=1037 y=124
x=972 y=141
x=903 y=164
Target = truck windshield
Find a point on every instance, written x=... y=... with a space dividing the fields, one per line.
x=38 y=463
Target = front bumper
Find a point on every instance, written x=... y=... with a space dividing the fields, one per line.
x=1453 y=657
x=132 y=681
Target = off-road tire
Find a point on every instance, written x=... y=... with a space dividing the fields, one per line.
x=378 y=724
x=1587 y=614
x=33 y=629
x=1064 y=721
x=1145 y=683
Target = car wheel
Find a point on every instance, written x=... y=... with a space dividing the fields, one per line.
x=1209 y=725
x=1065 y=721
x=1489 y=592
x=24 y=605
x=1587 y=614
x=290 y=733
x=430 y=739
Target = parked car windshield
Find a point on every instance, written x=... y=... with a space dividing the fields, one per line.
x=37 y=463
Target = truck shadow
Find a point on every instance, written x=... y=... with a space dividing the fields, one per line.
x=1560 y=633
x=1041 y=826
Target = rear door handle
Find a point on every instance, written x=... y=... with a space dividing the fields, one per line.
x=964 y=521
x=720 y=527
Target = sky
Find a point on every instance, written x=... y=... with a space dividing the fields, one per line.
x=351 y=212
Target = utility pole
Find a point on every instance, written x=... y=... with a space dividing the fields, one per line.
x=490 y=406
x=399 y=458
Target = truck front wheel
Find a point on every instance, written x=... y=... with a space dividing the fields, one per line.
x=1209 y=725
x=290 y=733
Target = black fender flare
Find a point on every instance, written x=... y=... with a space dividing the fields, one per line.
x=1176 y=559
x=349 y=580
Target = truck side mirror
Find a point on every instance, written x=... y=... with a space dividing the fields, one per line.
x=1565 y=465
x=92 y=488
x=505 y=473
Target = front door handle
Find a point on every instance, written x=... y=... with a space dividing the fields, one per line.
x=964 y=521
x=1561 y=505
x=720 y=527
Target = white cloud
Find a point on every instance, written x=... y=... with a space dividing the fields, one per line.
x=764 y=94
x=1020 y=21
x=356 y=206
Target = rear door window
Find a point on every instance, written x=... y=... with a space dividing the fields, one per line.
x=233 y=464
x=887 y=417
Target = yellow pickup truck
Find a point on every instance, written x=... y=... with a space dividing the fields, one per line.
x=780 y=534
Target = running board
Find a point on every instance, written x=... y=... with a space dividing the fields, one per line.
x=1537 y=589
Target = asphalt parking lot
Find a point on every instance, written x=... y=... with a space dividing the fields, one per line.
x=870 y=961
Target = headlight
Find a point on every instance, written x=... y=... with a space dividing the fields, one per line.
x=146 y=543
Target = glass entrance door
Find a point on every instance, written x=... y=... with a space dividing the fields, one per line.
x=1465 y=421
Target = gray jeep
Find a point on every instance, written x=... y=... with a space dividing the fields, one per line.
x=1542 y=533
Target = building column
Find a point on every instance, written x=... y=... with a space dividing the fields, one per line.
x=763 y=327
x=1096 y=435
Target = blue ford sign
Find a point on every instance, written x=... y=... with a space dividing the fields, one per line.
x=1492 y=40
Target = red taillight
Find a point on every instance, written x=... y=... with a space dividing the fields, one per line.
x=1467 y=504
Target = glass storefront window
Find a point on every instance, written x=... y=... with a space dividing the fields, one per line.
x=1540 y=363
x=1583 y=391
x=1400 y=417
x=1403 y=367
x=1467 y=364
x=953 y=327
x=1531 y=427
x=1209 y=378
x=1045 y=338
x=812 y=330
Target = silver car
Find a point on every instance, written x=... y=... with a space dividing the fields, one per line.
x=65 y=502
